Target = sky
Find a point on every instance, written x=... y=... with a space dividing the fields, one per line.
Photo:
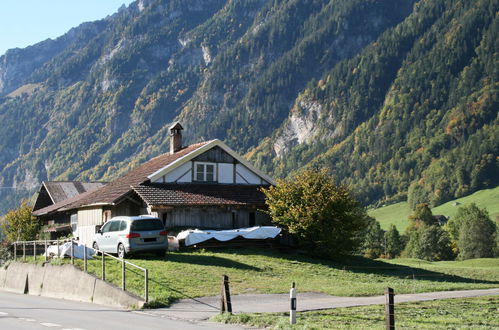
x=26 y=22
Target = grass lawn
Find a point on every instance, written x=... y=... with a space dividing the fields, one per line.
x=195 y=274
x=476 y=313
x=398 y=213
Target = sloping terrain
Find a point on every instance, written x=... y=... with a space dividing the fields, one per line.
x=398 y=98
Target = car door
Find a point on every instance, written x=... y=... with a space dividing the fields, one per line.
x=112 y=237
x=102 y=238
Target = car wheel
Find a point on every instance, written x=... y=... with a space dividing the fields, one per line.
x=121 y=251
x=96 y=247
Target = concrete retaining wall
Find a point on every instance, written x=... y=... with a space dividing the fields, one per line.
x=66 y=282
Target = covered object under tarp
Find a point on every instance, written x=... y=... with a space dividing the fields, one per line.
x=191 y=237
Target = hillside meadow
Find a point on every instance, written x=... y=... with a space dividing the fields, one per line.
x=397 y=214
x=198 y=273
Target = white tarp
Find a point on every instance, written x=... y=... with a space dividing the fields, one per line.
x=195 y=236
x=65 y=250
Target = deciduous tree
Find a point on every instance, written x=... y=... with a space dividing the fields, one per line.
x=324 y=218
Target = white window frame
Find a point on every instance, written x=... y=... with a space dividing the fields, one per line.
x=204 y=171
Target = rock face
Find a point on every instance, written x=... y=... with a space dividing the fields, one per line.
x=293 y=83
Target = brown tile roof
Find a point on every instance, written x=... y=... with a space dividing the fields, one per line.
x=200 y=194
x=110 y=192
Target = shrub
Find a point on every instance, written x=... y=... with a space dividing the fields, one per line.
x=324 y=217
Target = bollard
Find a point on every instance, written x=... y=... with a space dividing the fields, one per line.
x=292 y=311
x=85 y=258
x=24 y=251
x=46 y=252
x=389 y=309
x=123 y=280
x=146 y=285
x=34 y=250
x=15 y=251
x=103 y=267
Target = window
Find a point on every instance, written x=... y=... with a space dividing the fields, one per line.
x=115 y=226
x=106 y=227
x=147 y=224
x=205 y=172
x=74 y=221
x=122 y=225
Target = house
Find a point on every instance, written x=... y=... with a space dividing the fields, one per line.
x=204 y=185
x=53 y=192
x=441 y=219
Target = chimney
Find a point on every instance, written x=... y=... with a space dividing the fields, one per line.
x=175 y=137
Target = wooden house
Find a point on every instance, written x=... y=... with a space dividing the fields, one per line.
x=204 y=185
x=53 y=192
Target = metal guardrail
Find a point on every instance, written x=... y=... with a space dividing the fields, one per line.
x=46 y=243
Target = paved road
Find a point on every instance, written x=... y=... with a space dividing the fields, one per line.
x=32 y=312
x=203 y=308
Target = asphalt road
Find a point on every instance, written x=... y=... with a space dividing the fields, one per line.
x=33 y=312
x=203 y=308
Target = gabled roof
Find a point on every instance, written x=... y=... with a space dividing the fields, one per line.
x=52 y=192
x=155 y=168
x=112 y=191
x=62 y=190
x=162 y=194
x=211 y=144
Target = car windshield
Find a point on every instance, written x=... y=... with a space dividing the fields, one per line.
x=149 y=224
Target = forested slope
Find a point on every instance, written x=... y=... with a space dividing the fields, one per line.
x=396 y=97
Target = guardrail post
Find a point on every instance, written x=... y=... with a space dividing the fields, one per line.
x=46 y=252
x=103 y=267
x=24 y=251
x=85 y=258
x=389 y=309
x=34 y=250
x=15 y=251
x=72 y=253
x=146 y=284
x=123 y=274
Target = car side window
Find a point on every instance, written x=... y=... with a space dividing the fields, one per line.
x=122 y=225
x=115 y=226
x=106 y=227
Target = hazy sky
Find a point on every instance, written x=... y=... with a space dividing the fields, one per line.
x=26 y=22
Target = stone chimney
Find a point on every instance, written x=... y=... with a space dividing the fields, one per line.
x=175 y=137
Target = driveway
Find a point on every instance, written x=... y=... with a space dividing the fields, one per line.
x=197 y=309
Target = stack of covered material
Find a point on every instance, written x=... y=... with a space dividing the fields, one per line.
x=196 y=236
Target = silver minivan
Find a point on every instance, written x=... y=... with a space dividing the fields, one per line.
x=124 y=235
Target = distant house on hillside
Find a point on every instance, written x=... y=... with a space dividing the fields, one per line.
x=441 y=219
x=204 y=185
x=53 y=192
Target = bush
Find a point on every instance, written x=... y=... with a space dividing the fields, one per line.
x=324 y=218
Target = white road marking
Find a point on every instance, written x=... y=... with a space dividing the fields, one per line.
x=50 y=325
x=3 y=313
x=26 y=319
x=144 y=313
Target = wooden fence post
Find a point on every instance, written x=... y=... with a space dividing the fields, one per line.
x=389 y=309
x=225 y=303
x=146 y=285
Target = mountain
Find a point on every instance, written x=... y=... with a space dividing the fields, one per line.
x=397 y=97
